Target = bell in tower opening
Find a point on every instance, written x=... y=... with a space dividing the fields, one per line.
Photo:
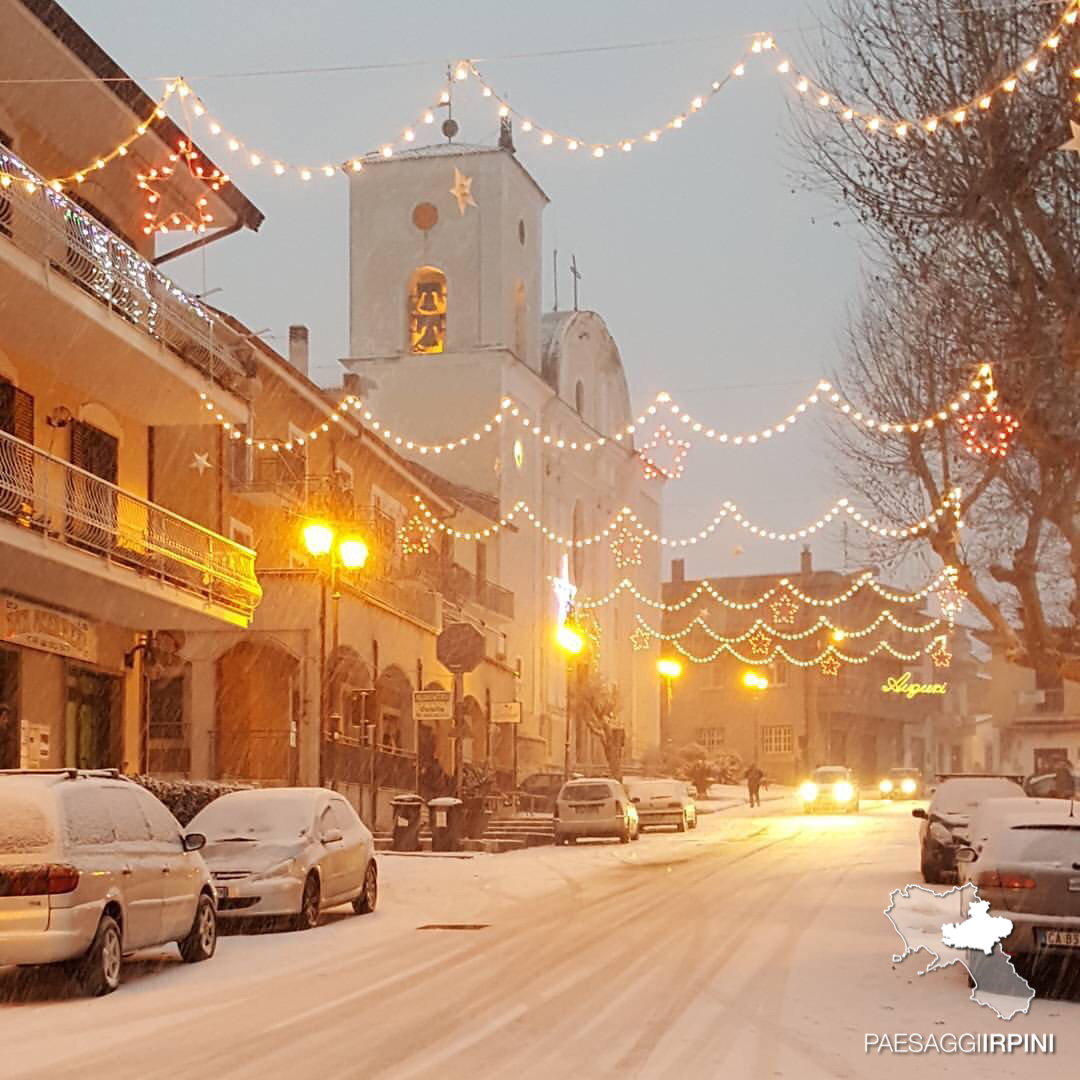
x=427 y=311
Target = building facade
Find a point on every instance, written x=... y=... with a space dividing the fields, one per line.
x=446 y=325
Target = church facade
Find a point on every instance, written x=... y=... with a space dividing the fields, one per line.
x=446 y=323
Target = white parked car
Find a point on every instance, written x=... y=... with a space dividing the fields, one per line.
x=288 y=851
x=595 y=807
x=93 y=867
x=663 y=802
x=1024 y=858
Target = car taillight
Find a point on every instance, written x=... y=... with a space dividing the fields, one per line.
x=993 y=880
x=51 y=880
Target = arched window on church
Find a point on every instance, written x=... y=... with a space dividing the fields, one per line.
x=427 y=310
x=579 y=398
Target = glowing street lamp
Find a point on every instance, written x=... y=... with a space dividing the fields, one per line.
x=353 y=553
x=754 y=680
x=569 y=639
x=318 y=538
x=669 y=667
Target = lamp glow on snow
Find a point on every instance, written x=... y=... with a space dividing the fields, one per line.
x=318 y=538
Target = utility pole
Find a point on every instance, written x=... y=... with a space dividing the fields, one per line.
x=576 y=275
x=555 y=275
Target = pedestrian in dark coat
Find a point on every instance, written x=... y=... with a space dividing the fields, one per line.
x=754 y=776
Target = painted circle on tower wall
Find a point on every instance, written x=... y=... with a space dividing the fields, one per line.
x=425 y=216
x=521 y=232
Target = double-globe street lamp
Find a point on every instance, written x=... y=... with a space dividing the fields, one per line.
x=337 y=549
x=570 y=638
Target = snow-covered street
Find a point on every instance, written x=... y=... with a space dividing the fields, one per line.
x=754 y=946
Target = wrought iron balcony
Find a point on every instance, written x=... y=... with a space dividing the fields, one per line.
x=49 y=226
x=70 y=506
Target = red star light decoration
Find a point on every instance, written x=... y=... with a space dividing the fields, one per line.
x=679 y=448
x=939 y=654
x=626 y=547
x=760 y=642
x=830 y=665
x=784 y=609
x=988 y=430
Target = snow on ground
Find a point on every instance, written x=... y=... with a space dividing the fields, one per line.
x=754 y=946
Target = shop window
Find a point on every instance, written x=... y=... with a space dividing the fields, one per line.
x=427 y=311
x=776 y=739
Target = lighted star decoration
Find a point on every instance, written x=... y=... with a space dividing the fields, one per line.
x=200 y=463
x=784 y=609
x=416 y=536
x=462 y=191
x=679 y=448
x=951 y=599
x=760 y=642
x=988 y=430
x=1074 y=143
x=640 y=639
x=939 y=654
x=626 y=547
x=830 y=665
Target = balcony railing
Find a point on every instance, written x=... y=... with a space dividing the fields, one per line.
x=462 y=586
x=71 y=506
x=48 y=225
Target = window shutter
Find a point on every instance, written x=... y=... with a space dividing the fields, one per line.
x=23 y=411
x=78 y=444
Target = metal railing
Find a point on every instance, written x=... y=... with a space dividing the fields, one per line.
x=350 y=761
x=280 y=474
x=72 y=506
x=48 y=225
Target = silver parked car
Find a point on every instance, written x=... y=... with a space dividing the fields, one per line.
x=1024 y=858
x=594 y=807
x=288 y=851
x=663 y=802
x=93 y=867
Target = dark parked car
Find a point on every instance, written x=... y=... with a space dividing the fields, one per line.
x=945 y=822
x=902 y=784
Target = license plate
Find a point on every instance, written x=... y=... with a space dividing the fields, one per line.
x=223 y=892
x=588 y=811
x=1068 y=938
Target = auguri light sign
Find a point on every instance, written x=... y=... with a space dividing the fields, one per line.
x=905 y=685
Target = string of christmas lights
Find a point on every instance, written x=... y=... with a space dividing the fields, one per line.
x=78 y=176
x=762 y=626
x=785 y=590
x=815 y=661
x=626 y=516
x=154 y=180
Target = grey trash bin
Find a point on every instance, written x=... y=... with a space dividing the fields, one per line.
x=407 y=810
x=447 y=817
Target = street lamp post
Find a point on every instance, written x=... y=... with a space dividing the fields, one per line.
x=756 y=682
x=571 y=641
x=669 y=669
x=350 y=552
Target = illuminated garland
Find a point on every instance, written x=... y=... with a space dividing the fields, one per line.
x=783 y=589
x=58 y=183
x=760 y=626
x=828 y=651
x=950 y=503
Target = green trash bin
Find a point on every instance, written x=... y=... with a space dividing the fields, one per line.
x=407 y=810
x=447 y=818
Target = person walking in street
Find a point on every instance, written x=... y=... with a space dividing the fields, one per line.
x=9 y=738
x=754 y=776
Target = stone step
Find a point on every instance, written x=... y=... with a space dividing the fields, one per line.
x=494 y=846
x=527 y=839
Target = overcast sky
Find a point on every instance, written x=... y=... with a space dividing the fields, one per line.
x=721 y=280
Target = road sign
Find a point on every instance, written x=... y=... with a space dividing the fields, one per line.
x=460 y=648
x=433 y=705
x=506 y=712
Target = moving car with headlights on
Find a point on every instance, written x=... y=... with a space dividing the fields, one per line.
x=663 y=802
x=902 y=784
x=1024 y=857
x=946 y=821
x=93 y=867
x=831 y=789
x=288 y=852
x=595 y=807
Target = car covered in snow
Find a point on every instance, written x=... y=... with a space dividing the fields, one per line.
x=663 y=802
x=1024 y=858
x=288 y=852
x=830 y=788
x=945 y=823
x=595 y=807
x=1050 y=786
x=92 y=868
x=902 y=784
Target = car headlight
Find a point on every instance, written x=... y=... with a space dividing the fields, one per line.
x=908 y=786
x=281 y=869
x=886 y=786
x=843 y=791
x=808 y=792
